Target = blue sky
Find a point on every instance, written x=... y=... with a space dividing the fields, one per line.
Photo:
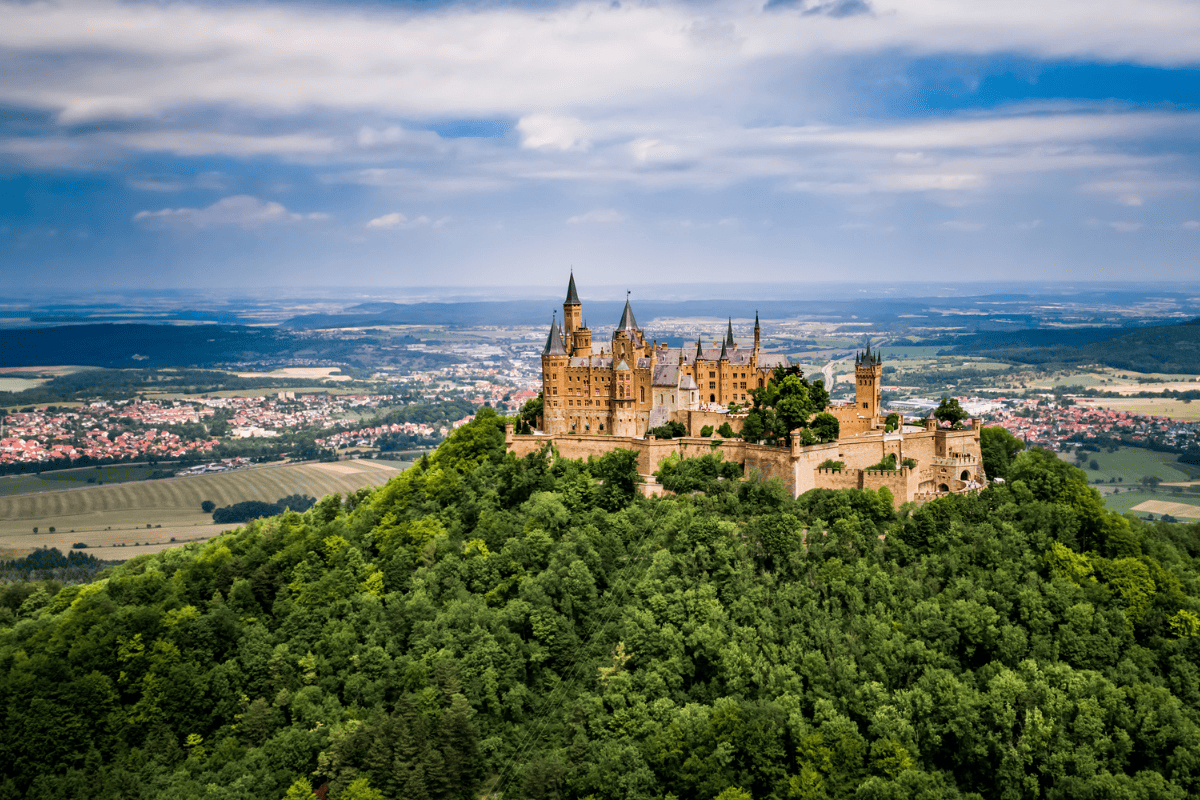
x=224 y=144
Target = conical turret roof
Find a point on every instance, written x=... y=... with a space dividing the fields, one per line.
x=554 y=343
x=627 y=323
x=699 y=349
x=572 y=295
x=729 y=334
x=724 y=354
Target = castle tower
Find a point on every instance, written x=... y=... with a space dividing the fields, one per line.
x=554 y=364
x=868 y=389
x=757 y=335
x=572 y=310
x=627 y=338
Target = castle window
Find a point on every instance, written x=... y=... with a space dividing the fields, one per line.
x=864 y=404
x=712 y=374
x=712 y=385
x=643 y=394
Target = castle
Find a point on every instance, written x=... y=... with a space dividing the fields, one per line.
x=595 y=399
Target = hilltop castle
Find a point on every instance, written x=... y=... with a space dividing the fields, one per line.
x=635 y=385
x=596 y=399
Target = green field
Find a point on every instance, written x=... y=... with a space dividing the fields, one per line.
x=102 y=516
x=1125 y=501
x=19 y=384
x=1130 y=464
x=53 y=480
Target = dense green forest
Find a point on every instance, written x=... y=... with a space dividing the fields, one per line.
x=533 y=628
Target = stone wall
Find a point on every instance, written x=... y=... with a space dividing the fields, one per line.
x=942 y=456
x=698 y=419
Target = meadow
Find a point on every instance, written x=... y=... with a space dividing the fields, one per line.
x=1130 y=465
x=1184 y=505
x=152 y=513
x=53 y=480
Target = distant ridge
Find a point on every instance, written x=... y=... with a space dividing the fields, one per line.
x=1171 y=348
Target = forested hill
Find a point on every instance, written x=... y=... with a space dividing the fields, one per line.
x=528 y=629
x=1159 y=348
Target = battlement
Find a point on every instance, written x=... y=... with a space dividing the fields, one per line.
x=955 y=461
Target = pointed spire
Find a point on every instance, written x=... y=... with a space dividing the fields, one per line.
x=572 y=295
x=729 y=334
x=724 y=354
x=627 y=323
x=756 y=319
x=554 y=343
x=699 y=349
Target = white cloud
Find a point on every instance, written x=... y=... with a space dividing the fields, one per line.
x=144 y=59
x=597 y=216
x=961 y=226
x=551 y=132
x=398 y=221
x=1125 y=227
x=1191 y=225
x=241 y=211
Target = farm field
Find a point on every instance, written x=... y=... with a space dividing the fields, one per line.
x=53 y=480
x=250 y=392
x=1185 y=505
x=8 y=384
x=1151 y=406
x=120 y=513
x=308 y=373
x=1130 y=464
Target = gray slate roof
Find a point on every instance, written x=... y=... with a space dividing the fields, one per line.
x=554 y=343
x=627 y=323
x=666 y=375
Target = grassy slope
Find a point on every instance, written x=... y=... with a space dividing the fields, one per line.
x=1130 y=464
x=175 y=502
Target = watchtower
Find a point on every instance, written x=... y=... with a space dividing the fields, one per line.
x=868 y=389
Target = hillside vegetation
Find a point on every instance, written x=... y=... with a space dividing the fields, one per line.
x=532 y=629
x=1171 y=349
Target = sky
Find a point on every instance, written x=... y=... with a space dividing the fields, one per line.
x=158 y=145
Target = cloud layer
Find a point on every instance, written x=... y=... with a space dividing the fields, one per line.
x=801 y=119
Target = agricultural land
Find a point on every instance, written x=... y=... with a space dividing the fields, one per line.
x=126 y=519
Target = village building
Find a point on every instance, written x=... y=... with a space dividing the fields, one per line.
x=600 y=396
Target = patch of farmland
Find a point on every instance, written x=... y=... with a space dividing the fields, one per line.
x=137 y=510
x=1130 y=465
x=1149 y=406
x=1167 y=507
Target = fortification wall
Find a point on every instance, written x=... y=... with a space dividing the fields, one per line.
x=770 y=462
x=943 y=456
x=902 y=483
x=698 y=419
x=838 y=478
x=804 y=462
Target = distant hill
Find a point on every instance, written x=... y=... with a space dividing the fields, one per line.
x=124 y=346
x=133 y=345
x=1163 y=348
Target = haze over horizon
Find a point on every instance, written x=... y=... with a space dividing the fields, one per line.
x=218 y=144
